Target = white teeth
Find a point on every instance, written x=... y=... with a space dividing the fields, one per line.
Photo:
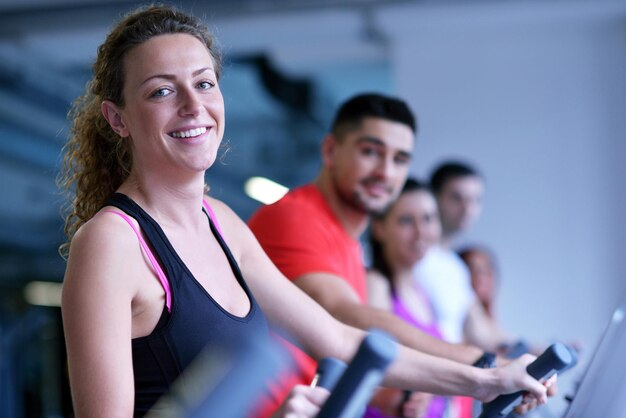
x=189 y=134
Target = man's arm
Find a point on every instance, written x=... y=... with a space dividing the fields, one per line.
x=338 y=298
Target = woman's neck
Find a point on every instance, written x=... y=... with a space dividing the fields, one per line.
x=402 y=275
x=169 y=200
x=401 y=271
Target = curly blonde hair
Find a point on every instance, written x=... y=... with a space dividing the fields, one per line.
x=96 y=160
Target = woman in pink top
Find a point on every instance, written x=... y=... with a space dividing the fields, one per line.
x=400 y=238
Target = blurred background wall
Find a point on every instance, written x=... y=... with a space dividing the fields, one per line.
x=531 y=92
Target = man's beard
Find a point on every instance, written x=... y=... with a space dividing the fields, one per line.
x=356 y=202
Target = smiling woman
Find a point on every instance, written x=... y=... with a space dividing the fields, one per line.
x=150 y=283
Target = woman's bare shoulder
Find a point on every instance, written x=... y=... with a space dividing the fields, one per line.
x=378 y=289
x=377 y=277
x=218 y=206
x=225 y=216
x=104 y=230
x=104 y=249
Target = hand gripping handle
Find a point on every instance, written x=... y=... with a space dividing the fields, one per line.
x=555 y=358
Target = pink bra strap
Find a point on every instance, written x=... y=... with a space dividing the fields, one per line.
x=212 y=216
x=155 y=265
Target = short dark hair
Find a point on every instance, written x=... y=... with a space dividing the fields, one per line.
x=352 y=112
x=448 y=171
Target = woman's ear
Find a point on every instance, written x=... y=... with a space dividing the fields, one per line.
x=113 y=114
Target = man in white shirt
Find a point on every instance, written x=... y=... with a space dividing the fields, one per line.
x=459 y=190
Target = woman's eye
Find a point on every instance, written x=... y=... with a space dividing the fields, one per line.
x=205 y=85
x=162 y=92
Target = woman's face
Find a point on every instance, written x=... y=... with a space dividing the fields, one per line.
x=482 y=274
x=410 y=228
x=174 y=110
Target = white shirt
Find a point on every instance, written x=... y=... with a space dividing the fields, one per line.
x=446 y=279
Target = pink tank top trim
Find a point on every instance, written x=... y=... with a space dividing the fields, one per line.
x=212 y=216
x=155 y=265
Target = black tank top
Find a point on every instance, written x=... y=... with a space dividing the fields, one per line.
x=196 y=320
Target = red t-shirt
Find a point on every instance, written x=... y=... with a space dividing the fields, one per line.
x=302 y=235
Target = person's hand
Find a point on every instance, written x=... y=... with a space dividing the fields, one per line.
x=513 y=377
x=387 y=400
x=529 y=402
x=393 y=402
x=302 y=402
x=417 y=405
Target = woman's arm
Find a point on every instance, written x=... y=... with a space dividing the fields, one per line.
x=421 y=372
x=322 y=335
x=96 y=310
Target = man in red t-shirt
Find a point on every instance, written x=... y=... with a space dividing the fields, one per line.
x=312 y=234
